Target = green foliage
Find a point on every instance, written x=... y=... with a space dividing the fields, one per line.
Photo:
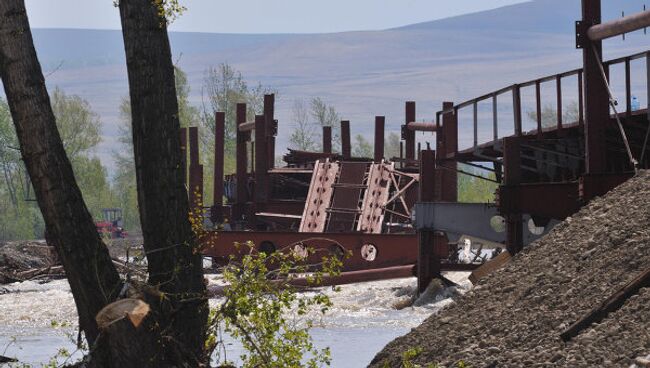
x=266 y=314
x=326 y=115
x=92 y=179
x=407 y=359
x=19 y=222
x=223 y=88
x=475 y=190
x=79 y=128
x=168 y=10
x=391 y=145
x=19 y=219
x=362 y=148
x=308 y=119
x=78 y=125
x=124 y=182
x=188 y=115
x=303 y=135
x=409 y=355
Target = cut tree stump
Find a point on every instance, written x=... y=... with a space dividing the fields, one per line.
x=135 y=310
x=131 y=334
x=611 y=304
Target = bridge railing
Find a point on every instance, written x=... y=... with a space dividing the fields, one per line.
x=515 y=92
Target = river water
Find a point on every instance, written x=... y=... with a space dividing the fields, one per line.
x=36 y=320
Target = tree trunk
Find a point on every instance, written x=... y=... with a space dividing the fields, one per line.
x=124 y=322
x=93 y=279
x=174 y=261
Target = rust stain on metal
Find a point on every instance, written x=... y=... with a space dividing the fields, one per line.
x=319 y=197
x=375 y=198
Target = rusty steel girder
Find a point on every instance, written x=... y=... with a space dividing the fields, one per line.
x=359 y=251
x=319 y=197
x=594 y=185
x=372 y=215
x=549 y=200
x=367 y=251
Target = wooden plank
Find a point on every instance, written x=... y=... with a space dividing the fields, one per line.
x=611 y=304
x=490 y=266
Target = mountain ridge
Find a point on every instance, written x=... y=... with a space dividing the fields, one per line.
x=362 y=73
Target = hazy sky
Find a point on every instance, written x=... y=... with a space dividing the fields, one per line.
x=264 y=16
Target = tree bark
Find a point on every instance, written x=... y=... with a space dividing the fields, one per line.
x=93 y=279
x=174 y=261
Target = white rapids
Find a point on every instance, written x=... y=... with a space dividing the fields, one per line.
x=37 y=319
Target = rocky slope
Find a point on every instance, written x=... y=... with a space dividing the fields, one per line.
x=514 y=317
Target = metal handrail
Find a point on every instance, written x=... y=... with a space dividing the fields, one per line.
x=516 y=88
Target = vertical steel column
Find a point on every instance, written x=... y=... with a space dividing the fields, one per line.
x=194 y=146
x=647 y=66
x=327 y=139
x=251 y=165
x=538 y=107
x=409 y=135
x=219 y=153
x=261 y=160
x=271 y=128
x=440 y=152
x=475 y=122
x=643 y=159
x=346 y=147
x=495 y=117
x=628 y=88
x=595 y=94
x=428 y=259
x=516 y=107
x=427 y=176
x=512 y=177
x=241 y=163
x=183 y=136
x=581 y=100
x=447 y=158
x=196 y=170
x=380 y=123
x=558 y=86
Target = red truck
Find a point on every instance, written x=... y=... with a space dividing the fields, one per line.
x=111 y=226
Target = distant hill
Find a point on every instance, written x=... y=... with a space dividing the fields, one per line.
x=362 y=73
x=538 y=16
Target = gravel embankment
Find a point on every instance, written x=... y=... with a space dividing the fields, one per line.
x=514 y=317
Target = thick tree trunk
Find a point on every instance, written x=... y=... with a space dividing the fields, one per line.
x=174 y=261
x=93 y=279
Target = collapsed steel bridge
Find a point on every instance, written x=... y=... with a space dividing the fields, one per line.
x=400 y=216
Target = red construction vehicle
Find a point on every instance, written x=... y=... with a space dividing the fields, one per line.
x=111 y=226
